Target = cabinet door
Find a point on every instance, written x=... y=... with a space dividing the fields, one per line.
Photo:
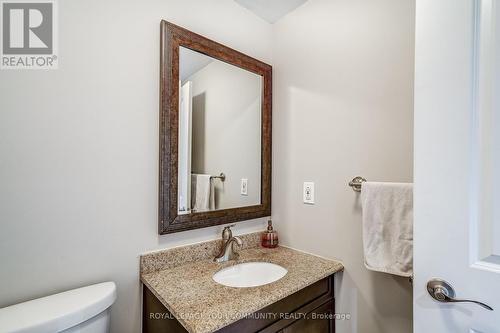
x=321 y=320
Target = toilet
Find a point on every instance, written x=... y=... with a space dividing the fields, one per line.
x=82 y=310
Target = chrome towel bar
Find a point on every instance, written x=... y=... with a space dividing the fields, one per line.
x=356 y=183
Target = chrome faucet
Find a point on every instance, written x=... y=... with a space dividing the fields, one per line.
x=227 y=251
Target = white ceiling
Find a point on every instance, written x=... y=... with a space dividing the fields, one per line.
x=271 y=10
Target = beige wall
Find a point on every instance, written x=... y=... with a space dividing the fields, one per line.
x=226 y=131
x=79 y=149
x=343 y=73
x=79 y=145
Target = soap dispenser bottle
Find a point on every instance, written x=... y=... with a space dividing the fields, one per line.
x=270 y=237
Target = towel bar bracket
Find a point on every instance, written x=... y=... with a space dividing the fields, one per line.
x=356 y=183
x=222 y=177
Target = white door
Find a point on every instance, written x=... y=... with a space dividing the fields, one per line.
x=185 y=128
x=457 y=164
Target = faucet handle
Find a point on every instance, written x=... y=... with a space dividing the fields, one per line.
x=227 y=233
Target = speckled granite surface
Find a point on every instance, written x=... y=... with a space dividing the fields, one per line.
x=202 y=306
x=165 y=259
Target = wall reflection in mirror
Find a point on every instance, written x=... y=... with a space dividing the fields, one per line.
x=219 y=134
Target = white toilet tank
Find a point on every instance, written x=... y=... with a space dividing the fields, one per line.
x=82 y=310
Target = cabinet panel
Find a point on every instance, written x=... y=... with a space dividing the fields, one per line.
x=156 y=318
x=318 y=321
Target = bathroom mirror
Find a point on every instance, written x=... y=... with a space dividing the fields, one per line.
x=215 y=133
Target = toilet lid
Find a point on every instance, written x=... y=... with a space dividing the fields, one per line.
x=58 y=312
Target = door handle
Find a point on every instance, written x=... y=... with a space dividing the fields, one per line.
x=443 y=292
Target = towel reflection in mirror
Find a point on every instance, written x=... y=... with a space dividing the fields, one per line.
x=202 y=193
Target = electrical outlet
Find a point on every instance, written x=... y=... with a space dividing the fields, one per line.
x=244 y=186
x=308 y=193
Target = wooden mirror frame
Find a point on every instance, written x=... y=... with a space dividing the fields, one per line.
x=172 y=37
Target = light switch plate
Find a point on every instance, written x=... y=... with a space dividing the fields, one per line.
x=244 y=186
x=308 y=193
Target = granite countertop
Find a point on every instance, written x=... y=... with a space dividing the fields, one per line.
x=201 y=305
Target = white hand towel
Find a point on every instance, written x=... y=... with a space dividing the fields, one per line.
x=202 y=193
x=388 y=227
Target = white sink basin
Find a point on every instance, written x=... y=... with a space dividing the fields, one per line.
x=249 y=274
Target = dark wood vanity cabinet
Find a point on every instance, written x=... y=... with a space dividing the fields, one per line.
x=316 y=321
x=311 y=310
